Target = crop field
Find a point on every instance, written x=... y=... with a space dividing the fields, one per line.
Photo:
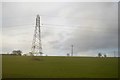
x=59 y=67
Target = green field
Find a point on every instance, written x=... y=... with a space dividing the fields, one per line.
x=59 y=67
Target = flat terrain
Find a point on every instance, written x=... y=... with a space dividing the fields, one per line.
x=59 y=67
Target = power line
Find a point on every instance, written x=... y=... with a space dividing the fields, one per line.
x=21 y=25
x=65 y=28
x=50 y=16
x=76 y=28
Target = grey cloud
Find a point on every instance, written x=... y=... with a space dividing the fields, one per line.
x=97 y=25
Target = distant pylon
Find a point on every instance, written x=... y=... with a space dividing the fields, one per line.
x=71 y=50
x=114 y=54
x=36 y=44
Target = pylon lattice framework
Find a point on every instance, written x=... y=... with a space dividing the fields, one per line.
x=36 y=44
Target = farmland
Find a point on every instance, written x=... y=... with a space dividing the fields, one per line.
x=59 y=67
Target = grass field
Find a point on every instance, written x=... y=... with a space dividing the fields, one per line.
x=59 y=67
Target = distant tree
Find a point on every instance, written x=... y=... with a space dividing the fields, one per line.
x=99 y=55
x=17 y=52
x=24 y=55
x=7 y=52
x=68 y=54
x=105 y=55
x=31 y=53
x=41 y=53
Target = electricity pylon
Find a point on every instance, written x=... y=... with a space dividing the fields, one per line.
x=71 y=50
x=36 y=44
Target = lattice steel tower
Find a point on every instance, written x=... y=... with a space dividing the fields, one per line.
x=36 y=44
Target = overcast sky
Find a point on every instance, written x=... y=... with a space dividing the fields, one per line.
x=91 y=27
